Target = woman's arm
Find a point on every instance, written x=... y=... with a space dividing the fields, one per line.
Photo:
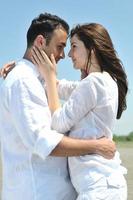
x=81 y=101
x=65 y=88
x=47 y=69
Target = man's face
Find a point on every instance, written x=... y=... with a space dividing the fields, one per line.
x=57 y=44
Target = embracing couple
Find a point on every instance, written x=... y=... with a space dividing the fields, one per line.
x=51 y=152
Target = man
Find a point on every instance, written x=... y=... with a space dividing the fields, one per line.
x=29 y=148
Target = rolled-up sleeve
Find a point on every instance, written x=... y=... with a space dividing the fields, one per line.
x=31 y=117
x=81 y=101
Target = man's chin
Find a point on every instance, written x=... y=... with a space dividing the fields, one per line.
x=57 y=61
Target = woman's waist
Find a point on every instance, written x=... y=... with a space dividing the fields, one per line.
x=87 y=175
x=97 y=164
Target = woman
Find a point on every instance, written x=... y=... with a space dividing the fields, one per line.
x=92 y=106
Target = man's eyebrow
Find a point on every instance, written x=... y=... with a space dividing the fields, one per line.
x=64 y=44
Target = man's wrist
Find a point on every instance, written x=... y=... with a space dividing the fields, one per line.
x=92 y=146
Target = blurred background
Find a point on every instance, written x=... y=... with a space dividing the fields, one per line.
x=115 y=15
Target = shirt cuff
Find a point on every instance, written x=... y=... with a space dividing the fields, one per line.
x=46 y=142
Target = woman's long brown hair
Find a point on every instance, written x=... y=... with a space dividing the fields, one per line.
x=96 y=37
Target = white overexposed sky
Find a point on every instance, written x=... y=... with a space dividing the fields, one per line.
x=115 y=15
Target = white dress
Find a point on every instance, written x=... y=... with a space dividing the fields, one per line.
x=90 y=112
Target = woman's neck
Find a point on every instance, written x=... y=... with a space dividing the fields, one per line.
x=94 y=67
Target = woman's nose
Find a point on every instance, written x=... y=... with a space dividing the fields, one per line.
x=69 y=53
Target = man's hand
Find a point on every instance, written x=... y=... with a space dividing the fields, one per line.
x=6 y=69
x=106 y=148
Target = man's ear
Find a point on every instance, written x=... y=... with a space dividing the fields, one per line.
x=40 y=41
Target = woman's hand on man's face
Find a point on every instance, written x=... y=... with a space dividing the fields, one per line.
x=46 y=65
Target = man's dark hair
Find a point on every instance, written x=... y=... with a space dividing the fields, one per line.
x=45 y=24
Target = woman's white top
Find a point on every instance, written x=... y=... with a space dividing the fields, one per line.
x=89 y=112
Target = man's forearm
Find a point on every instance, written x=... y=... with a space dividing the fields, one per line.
x=74 y=147
x=78 y=147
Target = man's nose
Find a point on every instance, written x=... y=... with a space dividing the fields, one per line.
x=62 y=55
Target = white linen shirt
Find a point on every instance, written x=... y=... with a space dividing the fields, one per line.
x=27 y=140
x=89 y=112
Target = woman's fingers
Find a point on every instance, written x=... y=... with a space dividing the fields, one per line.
x=6 y=69
x=53 y=59
x=42 y=58
x=34 y=60
x=45 y=64
x=46 y=59
x=36 y=54
x=53 y=62
x=0 y=72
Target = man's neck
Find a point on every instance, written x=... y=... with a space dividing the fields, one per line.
x=27 y=55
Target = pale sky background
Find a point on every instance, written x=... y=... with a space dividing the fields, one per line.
x=115 y=15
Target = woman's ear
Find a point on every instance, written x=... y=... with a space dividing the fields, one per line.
x=40 y=41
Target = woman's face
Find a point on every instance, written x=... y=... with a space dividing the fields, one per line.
x=78 y=53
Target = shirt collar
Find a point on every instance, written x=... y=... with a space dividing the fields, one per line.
x=31 y=66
